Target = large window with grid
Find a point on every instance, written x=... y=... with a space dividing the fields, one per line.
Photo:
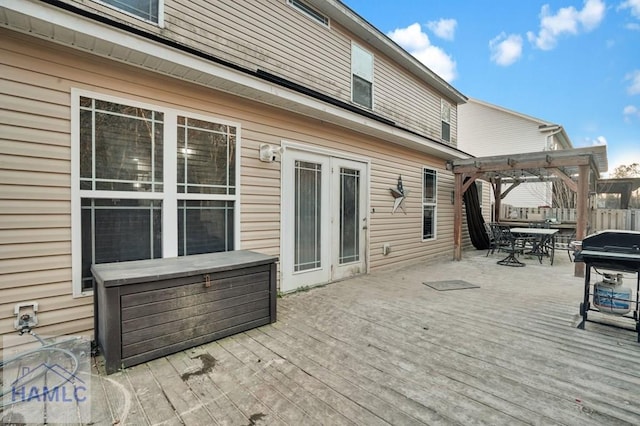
x=149 y=182
x=429 y=203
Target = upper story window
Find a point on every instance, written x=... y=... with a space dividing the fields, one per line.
x=362 y=76
x=309 y=11
x=445 y=114
x=429 y=203
x=149 y=10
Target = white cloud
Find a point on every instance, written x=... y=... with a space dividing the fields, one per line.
x=600 y=140
x=634 y=77
x=592 y=14
x=444 y=28
x=568 y=20
x=630 y=112
x=505 y=50
x=632 y=5
x=417 y=43
x=633 y=26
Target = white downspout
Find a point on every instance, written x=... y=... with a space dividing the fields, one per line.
x=548 y=138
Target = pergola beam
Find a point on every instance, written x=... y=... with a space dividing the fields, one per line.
x=509 y=189
x=491 y=165
x=566 y=179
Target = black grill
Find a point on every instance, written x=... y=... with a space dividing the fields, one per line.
x=611 y=251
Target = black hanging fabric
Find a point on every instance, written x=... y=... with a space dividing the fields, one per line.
x=475 y=221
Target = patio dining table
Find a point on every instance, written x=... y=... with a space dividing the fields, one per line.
x=542 y=241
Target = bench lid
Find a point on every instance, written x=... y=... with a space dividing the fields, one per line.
x=136 y=271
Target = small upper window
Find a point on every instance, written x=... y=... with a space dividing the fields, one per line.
x=446 y=121
x=362 y=76
x=149 y=10
x=309 y=11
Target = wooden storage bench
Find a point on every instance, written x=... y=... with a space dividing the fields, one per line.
x=150 y=308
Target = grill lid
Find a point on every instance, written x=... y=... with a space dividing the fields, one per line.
x=613 y=241
x=613 y=249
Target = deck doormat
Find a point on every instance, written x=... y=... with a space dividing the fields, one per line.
x=450 y=285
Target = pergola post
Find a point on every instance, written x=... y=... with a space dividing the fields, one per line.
x=497 y=193
x=457 y=217
x=582 y=207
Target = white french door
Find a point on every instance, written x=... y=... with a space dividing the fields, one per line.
x=324 y=218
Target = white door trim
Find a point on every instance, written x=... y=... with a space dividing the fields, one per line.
x=285 y=175
x=287 y=144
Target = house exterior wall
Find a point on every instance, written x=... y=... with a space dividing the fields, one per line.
x=35 y=175
x=485 y=131
x=273 y=36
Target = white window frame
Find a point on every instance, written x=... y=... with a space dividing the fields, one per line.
x=354 y=73
x=430 y=203
x=310 y=11
x=169 y=195
x=444 y=105
x=160 y=22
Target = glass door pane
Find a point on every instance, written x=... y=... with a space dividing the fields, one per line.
x=349 y=216
x=307 y=216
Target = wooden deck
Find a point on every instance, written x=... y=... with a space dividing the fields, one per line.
x=387 y=349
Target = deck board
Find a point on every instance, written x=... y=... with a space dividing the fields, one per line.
x=190 y=369
x=386 y=349
x=295 y=386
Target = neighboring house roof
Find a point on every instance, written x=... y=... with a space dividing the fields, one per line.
x=98 y=35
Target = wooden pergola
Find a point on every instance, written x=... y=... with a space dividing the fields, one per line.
x=579 y=168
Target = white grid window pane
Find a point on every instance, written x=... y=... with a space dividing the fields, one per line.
x=206 y=157
x=307 y=226
x=349 y=216
x=205 y=227
x=117 y=230
x=429 y=203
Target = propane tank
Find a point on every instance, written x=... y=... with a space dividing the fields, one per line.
x=610 y=297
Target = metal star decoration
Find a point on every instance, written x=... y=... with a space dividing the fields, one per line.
x=400 y=194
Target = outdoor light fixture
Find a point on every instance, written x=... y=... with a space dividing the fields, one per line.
x=270 y=153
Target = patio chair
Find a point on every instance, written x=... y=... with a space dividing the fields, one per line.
x=511 y=245
x=570 y=244
x=493 y=243
x=499 y=242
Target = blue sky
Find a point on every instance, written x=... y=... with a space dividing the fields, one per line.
x=570 y=62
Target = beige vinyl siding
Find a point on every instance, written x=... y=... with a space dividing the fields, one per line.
x=35 y=221
x=271 y=35
x=35 y=245
x=395 y=90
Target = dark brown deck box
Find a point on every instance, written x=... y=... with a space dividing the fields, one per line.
x=150 y=308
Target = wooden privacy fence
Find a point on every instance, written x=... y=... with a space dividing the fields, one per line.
x=599 y=219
